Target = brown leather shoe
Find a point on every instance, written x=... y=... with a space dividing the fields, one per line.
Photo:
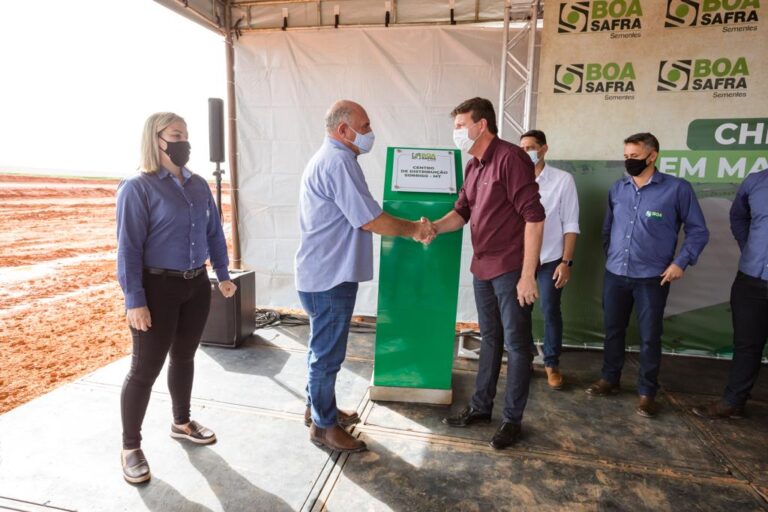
x=194 y=432
x=719 y=410
x=345 y=418
x=335 y=438
x=647 y=407
x=554 y=378
x=135 y=467
x=603 y=388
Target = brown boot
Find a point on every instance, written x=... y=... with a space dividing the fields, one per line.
x=647 y=407
x=554 y=378
x=719 y=410
x=335 y=438
x=603 y=388
x=345 y=418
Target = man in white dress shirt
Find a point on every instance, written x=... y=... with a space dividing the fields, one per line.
x=561 y=204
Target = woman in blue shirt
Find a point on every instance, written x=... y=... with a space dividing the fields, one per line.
x=167 y=227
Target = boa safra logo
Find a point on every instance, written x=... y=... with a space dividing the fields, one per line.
x=600 y=16
x=702 y=13
x=594 y=78
x=703 y=74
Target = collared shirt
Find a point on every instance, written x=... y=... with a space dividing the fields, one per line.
x=499 y=196
x=162 y=223
x=334 y=202
x=749 y=224
x=642 y=224
x=561 y=204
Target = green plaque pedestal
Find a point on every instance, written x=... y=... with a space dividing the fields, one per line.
x=418 y=286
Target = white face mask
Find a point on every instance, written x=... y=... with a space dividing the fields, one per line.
x=363 y=141
x=534 y=156
x=462 y=140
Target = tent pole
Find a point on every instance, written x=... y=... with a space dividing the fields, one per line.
x=503 y=80
x=234 y=187
x=534 y=19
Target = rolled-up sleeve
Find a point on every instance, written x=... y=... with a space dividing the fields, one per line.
x=569 y=206
x=694 y=226
x=522 y=189
x=461 y=206
x=351 y=195
x=132 y=228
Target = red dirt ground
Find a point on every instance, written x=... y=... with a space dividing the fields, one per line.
x=61 y=309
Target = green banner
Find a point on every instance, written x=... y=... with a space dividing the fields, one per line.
x=698 y=318
x=728 y=134
x=712 y=166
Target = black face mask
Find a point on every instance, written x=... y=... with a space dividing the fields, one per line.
x=635 y=166
x=177 y=151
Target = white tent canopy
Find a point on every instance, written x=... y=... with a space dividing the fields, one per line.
x=406 y=62
x=274 y=14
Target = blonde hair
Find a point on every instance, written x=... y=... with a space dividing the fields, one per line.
x=150 y=149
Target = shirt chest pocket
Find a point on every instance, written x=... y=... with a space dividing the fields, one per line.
x=489 y=192
x=644 y=210
x=201 y=215
x=653 y=212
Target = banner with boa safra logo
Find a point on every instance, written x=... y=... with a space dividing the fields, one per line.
x=730 y=15
x=599 y=16
x=695 y=74
x=705 y=74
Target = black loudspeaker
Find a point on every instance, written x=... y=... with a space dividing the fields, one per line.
x=216 y=129
x=231 y=320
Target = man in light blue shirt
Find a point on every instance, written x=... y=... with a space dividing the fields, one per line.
x=645 y=212
x=749 y=297
x=336 y=218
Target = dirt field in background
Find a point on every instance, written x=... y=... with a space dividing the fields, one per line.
x=61 y=309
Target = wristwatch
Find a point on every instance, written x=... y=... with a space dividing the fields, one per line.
x=567 y=262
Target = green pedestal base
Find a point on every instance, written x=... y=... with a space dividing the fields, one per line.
x=411 y=395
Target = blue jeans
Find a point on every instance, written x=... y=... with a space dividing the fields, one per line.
x=749 y=310
x=503 y=324
x=330 y=313
x=550 y=309
x=620 y=294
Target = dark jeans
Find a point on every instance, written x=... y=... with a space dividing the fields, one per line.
x=503 y=324
x=179 y=310
x=620 y=294
x=550 y=309
x=749 y=309
x=330 y=314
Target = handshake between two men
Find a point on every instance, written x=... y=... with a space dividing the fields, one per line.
x=425 y=231
x=422 y=230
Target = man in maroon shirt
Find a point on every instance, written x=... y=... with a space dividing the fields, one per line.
x=500 y=200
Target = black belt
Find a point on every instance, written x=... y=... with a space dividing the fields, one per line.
x=184 y=274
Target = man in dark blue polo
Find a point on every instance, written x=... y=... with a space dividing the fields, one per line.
x=645 y=212
x=749 y=297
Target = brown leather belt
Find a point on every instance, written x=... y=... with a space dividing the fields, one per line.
x=184 y=274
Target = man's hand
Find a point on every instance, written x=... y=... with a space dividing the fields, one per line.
x=425 y=231
x=527 y=291
x=673 y=273
x=562 y=275
x=139 y=318
x=227 y=288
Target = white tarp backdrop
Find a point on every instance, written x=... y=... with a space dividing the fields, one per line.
x=407 y=78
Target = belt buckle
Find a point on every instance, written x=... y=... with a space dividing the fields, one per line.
x=189 y=274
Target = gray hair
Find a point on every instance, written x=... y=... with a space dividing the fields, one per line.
x=337 y=114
